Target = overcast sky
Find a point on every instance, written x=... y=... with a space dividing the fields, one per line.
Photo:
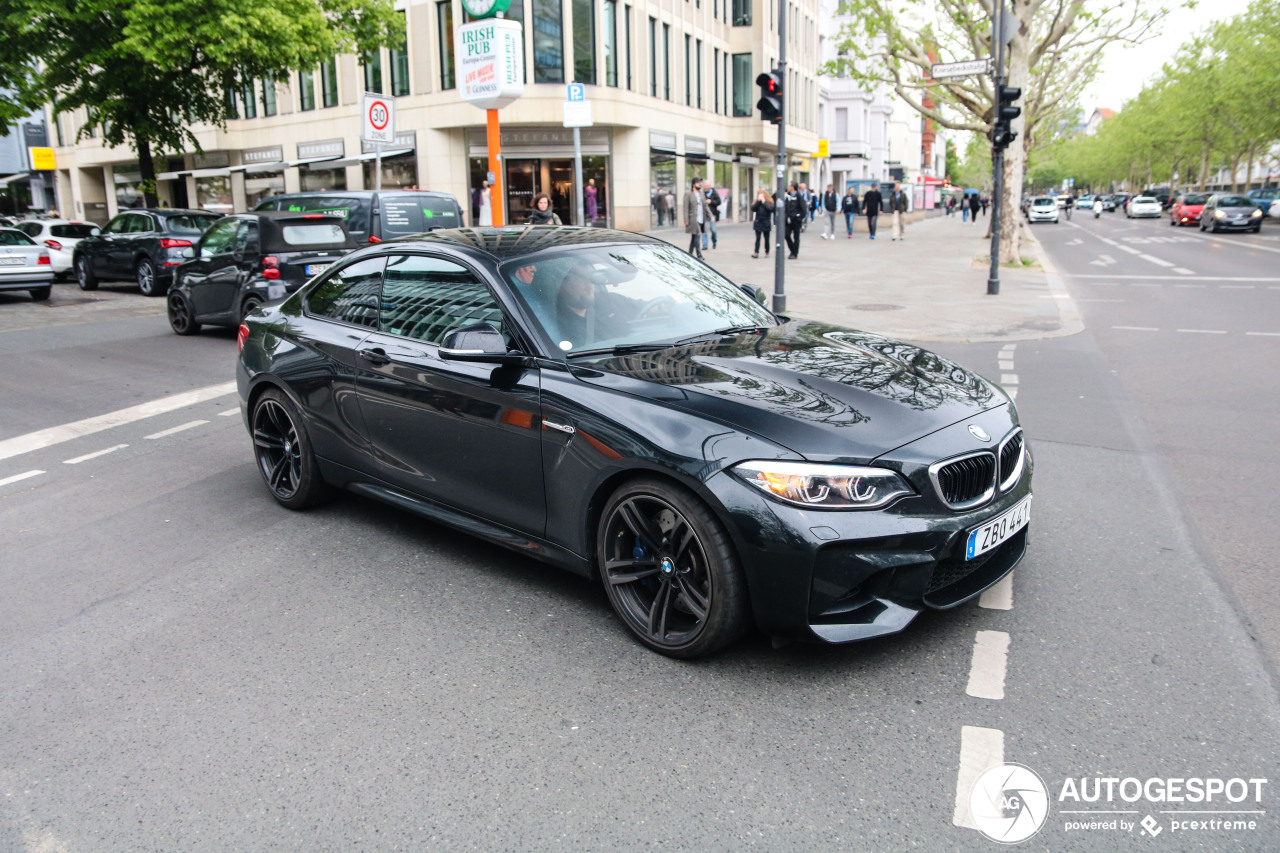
x=1126 y=70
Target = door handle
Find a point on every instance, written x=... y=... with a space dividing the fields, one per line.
x=376 y=355
x=568 y=429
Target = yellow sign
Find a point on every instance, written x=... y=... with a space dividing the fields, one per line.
x=42 y=160
x=823 y=148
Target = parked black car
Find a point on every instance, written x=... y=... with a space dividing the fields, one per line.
x=604 y=402
x=141 y=245
x=376 y=215
x=1230 y=212
x=252 y=258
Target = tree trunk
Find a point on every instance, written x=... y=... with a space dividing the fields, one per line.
x=1235 y=174
x=147 y=165
x=1015 y=156
x=1248 y=168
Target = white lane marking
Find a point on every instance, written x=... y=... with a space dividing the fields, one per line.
x=1000 y=596
x=1136 y=328
x=1201 y=286
x=1236 y=286
x=228 y=413
x=1101 y=300
x=1103 y=261
x=1009 y=348
x=89 y=456
x=1193 y=278
x=1133 y=251
x=1160 y=262
x=172 y=430
x=980 y=749
x=1012 y=392
x=56 y=435
x=16 y=477
x=1183 y=271
x=990 y=663
x=1202 y=331
x=1008 y=379
x=1265 y=334
x=1006 y=365
x=1146 y=284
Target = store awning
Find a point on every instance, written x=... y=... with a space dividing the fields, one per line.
x=12 y=179
x=260 y=167
x=311 y=160
x=195 y=173
x=353 y=161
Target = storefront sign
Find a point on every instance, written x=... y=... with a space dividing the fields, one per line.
x=271 y=154
x=490 y=62
x=42 y=159
x=326 y=148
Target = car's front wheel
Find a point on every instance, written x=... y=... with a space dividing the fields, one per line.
x=145 y=272
x=283 y=452
x=670 y=571
x=181 y=318
x=84 y=275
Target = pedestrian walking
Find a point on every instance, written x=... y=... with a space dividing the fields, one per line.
x=830 y=204
x=542 y=214
x=899 y=205
x=807 y=201
x=974 y=205
x=795 y=216
x=985 y=202
x=695 y=216
x=590 y=201
x=713 y=210
x=964 y=211
x=871 y=203
x=762 y=215
x=849 y=205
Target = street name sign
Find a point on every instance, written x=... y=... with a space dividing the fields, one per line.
x=490 y=62
x=969 y=67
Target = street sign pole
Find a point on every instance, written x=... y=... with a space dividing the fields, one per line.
x=377 y=169
x=779 y=262
x=577 y=173
x=494 y=139
x=997 y=160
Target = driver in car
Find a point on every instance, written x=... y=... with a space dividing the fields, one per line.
x=584 y=317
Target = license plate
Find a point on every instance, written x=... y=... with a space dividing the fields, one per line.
x=315 y=269
x=16 y=262
x=998 y=530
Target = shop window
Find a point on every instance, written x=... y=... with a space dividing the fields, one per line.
x=323 y=180
x=664 y=208
x=397 y=172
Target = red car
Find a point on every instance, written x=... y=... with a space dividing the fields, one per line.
x=1186 y=209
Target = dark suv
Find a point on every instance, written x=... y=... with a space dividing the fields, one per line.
x=251 y=258
x=376 y=215
x=140 y=245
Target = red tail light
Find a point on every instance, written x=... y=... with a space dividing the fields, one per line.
x=172 y=243
x=271 y=273
x=373 y=239
x=44 y=259
x=271 y=261
x=270 y=265
x=53 y=244
x=241 y=334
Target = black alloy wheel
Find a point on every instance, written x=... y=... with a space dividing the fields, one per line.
x=84 y=275
x=670 y=571
x=146 y=274
x=248 y=308
x=181 y=317
x=283 y=452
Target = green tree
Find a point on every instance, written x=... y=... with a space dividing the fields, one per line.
x=148 y=70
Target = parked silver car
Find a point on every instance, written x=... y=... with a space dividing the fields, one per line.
x=24 y=265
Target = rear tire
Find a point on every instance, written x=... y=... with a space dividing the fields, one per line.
x=181 y=317
x=84 y=274
x=248 y=307
x=41 y=294
x=283 y=452
x=145 y=272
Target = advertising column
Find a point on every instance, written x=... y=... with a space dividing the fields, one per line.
x=491 y=76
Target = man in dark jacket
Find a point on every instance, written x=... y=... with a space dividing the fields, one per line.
x=795 y=218
x=695 y=216
x=975 y=204
x=871 y=204
x=830 y=205
x=713 y=209
x=849 y=206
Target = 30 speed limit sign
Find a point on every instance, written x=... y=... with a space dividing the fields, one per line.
x=379 y=124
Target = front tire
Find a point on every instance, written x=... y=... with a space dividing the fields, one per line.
x=670 y=571
x=84 y=275
x=145 y=272
x=283 y=452
x=181 y=318
x=41 y=294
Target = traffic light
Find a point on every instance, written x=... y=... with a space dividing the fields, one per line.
x=770 y=103
x=1006 y=112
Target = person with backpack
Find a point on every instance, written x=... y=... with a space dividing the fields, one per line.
x=762 y=217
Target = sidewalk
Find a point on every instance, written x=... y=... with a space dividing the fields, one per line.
x=931 y=286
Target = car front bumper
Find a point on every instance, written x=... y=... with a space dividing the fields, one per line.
x=1043 y=217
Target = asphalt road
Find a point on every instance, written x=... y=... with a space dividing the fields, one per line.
x=186 y=666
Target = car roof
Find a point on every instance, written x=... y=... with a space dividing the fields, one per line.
x=363 y=193
x=166 y=211
x=504 y=243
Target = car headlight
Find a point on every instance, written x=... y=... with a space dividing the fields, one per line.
x=1219 y=214
x=1256 y=212
x=824 y=486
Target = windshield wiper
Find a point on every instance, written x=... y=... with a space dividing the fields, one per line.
x=728 y=330
x=621 y=349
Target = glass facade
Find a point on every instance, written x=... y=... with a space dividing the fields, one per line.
x=664 y=205
x=444 y=17
x=584 y=41
x=548 y=42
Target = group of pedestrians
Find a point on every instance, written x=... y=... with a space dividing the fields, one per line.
x=797 y=206
x=969 y=206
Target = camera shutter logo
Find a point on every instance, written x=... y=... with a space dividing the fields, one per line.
x=1009 y=803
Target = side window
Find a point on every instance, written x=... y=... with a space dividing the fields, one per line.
x=424 y=298
x=218 y=238
x=350 y=295
x=137 y=224
x=117 y=225
x=246 y=237
x=31 y=229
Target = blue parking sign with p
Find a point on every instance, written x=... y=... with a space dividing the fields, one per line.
x=577 y=92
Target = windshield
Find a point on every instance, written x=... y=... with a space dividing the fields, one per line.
x=1234 y=201
x=190 y=224
x=1043 y=202
x=631 y=294
x=1142 y=199
x=1194 y=199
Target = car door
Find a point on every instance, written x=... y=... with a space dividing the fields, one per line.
x=120 y=250
x=463 y=434
x=98 y=250
x=207 y=278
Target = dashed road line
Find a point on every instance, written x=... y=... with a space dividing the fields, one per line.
x=94 y=455
x=1000 y=596
x=990 y=663
x=1264 y=334
x=980 y=749
x=172 y=430
x=1008 y=379
x=18 y=477
x=1236 y=287
x=1201 y=286
x=1006 y=365
x=1202 y=331
x=1160 y=262
x=1136 y=328
x=1183 y=271
x=228 y=413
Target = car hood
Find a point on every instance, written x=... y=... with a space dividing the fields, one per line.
x=826 y=392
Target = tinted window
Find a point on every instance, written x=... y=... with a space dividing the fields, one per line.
x=73 y=231
x=246 y=236
x=139 y=224
x=425 y=298
x=353 y=210
x=413 y=215
x=350 y=295
x=9 y=237
x=219 y=238
x=314 y=234
x=1233 y=201
x=31 y=229
x=116 y=225
x=189 y=224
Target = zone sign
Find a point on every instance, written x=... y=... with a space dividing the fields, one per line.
x=379 y=123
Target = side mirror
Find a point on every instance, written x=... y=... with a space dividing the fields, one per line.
x=479 y=342
x=188 y=253
x=756 y=293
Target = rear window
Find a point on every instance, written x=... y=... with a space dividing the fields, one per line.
x=1234 y=201
x=73 y=231
x=10 y=237
x=413 y=215
x=189 y=224
x=353 y=210
x=314 y=234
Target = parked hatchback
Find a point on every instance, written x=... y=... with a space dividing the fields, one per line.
x=60 y=237
x=1230 y=212
x=251 y=258
x=24 y=265
x=140 y=245
x=376 y=215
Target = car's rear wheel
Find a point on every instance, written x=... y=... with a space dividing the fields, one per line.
x=670 y=571
x=283 y=452
x=84 y=275
x=248 y=308
x=145 y=272
x=181 y=318
x=41 y=294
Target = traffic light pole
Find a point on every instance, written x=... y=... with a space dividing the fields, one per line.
x=780 y=211
x=997 y=155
